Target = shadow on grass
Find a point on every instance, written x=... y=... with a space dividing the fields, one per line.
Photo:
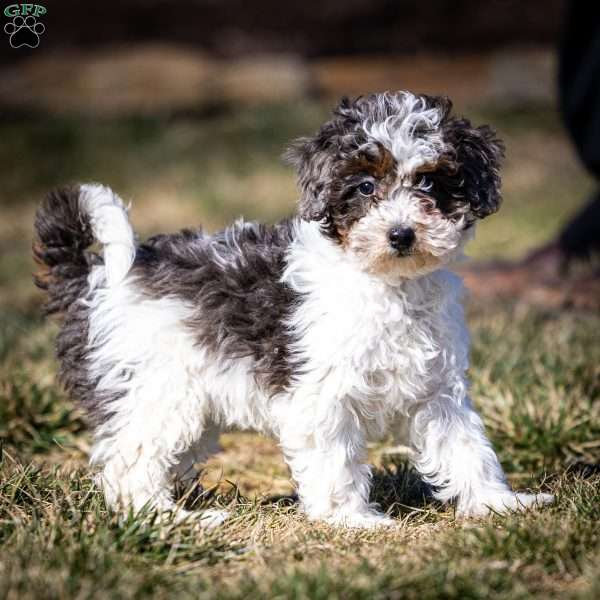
x=400 y=491
x=396 y=488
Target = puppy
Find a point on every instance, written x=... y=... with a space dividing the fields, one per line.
x=326 y=331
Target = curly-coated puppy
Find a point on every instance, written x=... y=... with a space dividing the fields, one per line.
x=325 y=331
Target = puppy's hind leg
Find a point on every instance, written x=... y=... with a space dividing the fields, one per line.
x=136 y=459
x=151 y=427
x=138 y=463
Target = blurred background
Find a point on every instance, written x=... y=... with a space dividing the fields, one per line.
x=185 y=108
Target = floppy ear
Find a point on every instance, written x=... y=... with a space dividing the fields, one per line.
x=479 y=154
x=313 y=165
x=314 y=158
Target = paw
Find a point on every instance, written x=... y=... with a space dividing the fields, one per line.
x=175 y=515
x=206 y=519
x=505 y=503
x=369 y=520
x=212 y=518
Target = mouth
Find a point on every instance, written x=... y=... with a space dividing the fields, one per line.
x=404 y=252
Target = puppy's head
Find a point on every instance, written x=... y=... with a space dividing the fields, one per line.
x=397 y=181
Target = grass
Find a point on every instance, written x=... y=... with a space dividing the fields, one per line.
x=535 y=378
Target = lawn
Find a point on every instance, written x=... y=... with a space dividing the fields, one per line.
x=535 y=374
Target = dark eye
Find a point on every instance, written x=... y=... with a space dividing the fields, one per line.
x=366 y=188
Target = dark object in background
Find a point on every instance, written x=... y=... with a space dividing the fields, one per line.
x=579 y=94
x=581 y=236
x=311 y=28
x=544 y=276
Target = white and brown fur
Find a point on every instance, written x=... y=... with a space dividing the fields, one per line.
x=317 y=330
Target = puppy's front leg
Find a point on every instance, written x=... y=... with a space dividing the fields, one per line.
x=327 y=460
x=453 y=454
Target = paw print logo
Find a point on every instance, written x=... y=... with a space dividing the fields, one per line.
x=24 y=31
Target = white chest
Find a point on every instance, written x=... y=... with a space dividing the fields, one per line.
x=362 y=337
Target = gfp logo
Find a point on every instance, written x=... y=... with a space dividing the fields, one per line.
x=24 y=29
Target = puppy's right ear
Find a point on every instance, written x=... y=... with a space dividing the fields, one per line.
x=313 y=165
x=315 y=158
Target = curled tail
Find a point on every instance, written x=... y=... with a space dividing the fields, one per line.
x=67 y=223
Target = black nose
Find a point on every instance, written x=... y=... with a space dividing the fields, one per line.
x=401 y=238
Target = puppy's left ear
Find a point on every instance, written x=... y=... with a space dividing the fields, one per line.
x=479 y=155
